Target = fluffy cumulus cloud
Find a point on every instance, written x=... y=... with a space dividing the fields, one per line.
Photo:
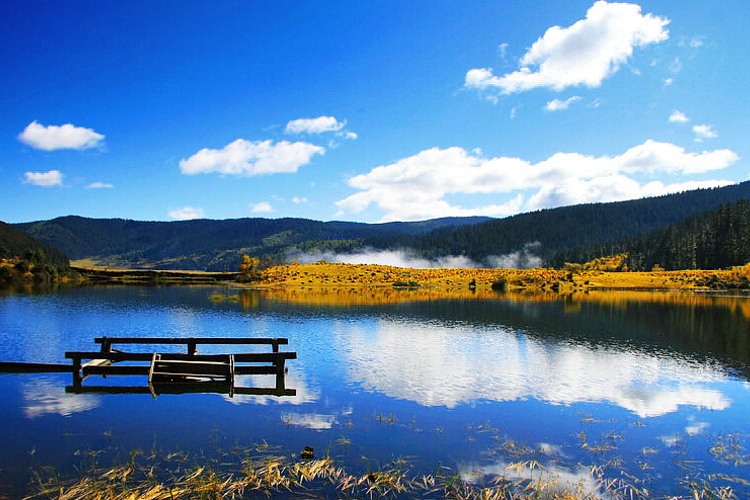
x=44 y=179
x=249 y=158
x=261 y=208
x=415 y=188
x=187 y=213
x=585 y=53
x=558 y=105
x=52 y=137
x=319 y=125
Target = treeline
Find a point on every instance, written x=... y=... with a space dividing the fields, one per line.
x=714 y=239
x=568 y=227
x=25 y=260
x=212 y=245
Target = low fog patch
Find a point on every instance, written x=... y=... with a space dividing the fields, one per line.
x=521 y=259
x=396 y=258
x=525 y=258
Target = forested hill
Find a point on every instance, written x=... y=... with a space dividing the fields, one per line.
x=567 y=227
x=15 y=243
x=206 y=244
x=714 y=239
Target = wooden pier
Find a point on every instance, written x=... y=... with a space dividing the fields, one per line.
x=172 y=372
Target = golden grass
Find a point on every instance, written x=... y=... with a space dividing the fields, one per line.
x=347 y=276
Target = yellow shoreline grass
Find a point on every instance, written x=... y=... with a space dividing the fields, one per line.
x=347 y=276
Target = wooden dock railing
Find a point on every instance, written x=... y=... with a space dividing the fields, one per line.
x=184 y=369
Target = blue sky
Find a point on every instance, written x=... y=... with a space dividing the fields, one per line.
x=366 y=111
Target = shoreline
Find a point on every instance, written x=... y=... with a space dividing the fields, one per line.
x=360 y=276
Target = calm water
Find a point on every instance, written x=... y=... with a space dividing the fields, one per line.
x=644 y=383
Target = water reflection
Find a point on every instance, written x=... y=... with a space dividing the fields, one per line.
x=45 y=395
x=435 y=365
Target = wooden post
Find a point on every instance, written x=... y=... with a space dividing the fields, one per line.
x=77 y=372
x=275 y=346
x=280 y=374
x=191 y=347
x=231 y=375
x=106 y=345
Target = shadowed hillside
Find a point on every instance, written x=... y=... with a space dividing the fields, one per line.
x=215 y=245
x=15 y=243
x=554 y=230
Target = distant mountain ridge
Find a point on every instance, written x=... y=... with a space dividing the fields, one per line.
x=217 y=245
x=550 y=231
x=214 y=245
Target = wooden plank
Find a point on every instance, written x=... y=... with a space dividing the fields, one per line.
x=117 y=370
x=97 y=362
x=170 y=375
x=254 y=369
x=151 y=374
x=250 y=357
x=188 y=388
x=163 y=367
x=197 y=340
x=17 y=367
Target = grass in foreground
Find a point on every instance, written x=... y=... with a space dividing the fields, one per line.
x=261 y=473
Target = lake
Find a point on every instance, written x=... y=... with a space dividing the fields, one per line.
x=647 y=389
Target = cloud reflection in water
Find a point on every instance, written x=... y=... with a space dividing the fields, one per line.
x=437 y=365
x=46 y=396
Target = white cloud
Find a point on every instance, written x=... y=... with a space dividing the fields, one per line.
x=317 y=125
x=585 y=53
x=678 y=117
x=558 y=105
x=297 y=200
x=248 y=158
x=187 y=213
x=54 y=137
x=704 y=132
x=44 y=179
x=261 y=208
x=414 y=188
x=668 y=82
x=99 y=185
x=350 y=135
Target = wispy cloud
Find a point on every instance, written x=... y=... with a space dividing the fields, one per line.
x=585 y=53
x=415 y=188
x=559 y=105
x=678 y=117
x=249 y=158
x=704 y=132
x=99 y=185
x=317 y=125
x=320 y=125
x=52 y=137
x=187 y=213
x=44 y=179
